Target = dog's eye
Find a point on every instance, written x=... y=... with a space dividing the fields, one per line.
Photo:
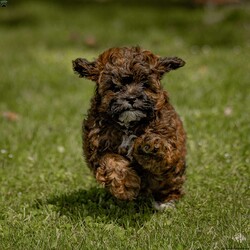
x=115 y=88
x=146 y=84
x=127 y=79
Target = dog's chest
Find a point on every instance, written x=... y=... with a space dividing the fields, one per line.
x=127 y=144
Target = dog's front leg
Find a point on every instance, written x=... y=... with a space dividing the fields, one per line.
x=155 y=153
x=166 y=163
x=118 y=177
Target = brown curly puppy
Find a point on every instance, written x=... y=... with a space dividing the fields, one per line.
x=133 y=139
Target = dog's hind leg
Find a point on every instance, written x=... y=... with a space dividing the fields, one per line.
x=118 y=177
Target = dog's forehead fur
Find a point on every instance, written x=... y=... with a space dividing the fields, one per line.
x=125 y=65
x=127 y=57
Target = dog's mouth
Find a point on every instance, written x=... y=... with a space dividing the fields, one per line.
x=129 y=116
x=130 y=113
x=133 y=117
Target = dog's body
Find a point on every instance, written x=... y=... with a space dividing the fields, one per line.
x=134 y=141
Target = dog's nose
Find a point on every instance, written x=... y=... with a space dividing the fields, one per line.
x=131 y=99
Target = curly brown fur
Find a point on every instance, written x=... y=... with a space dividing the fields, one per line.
x=133 y=140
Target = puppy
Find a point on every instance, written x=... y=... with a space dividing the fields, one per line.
x=133 y=139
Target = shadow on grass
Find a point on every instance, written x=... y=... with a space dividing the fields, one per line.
x=98 y=205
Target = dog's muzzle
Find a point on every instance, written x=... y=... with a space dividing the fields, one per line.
x=131 y=116
x=129 y=111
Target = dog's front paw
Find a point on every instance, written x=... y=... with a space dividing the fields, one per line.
x=150 y=146
x=163 y=206
x=150 y=152
x=118 y=177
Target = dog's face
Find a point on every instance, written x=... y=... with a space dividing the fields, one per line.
x=128 y=82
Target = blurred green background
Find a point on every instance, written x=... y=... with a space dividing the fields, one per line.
x=48 y=197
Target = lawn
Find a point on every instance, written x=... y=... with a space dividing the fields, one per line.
x=48 y=197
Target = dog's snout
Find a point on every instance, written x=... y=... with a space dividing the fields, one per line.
x=131 y=99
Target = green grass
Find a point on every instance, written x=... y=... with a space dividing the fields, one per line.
x=48 y=197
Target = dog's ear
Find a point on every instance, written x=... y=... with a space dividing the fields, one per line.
x=87 y=69
x=166 y=64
